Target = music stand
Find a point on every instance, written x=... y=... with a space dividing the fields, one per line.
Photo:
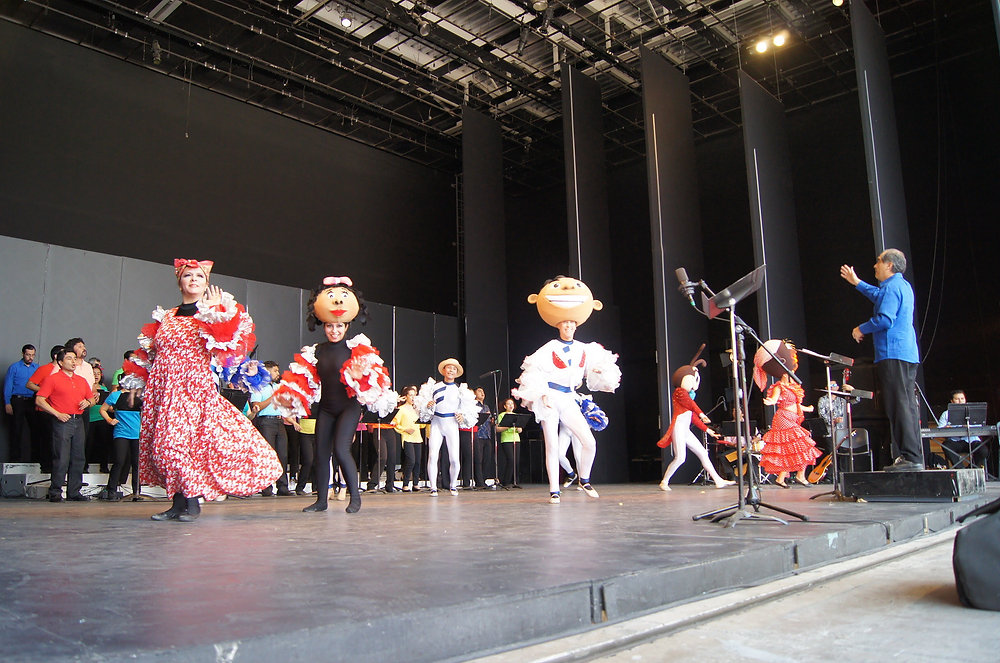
x=513 y=420
x=967 y=415
x=712 y=307
x=828 y=360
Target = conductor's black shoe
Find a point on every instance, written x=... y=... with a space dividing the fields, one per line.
x=78 y=498
x=903 y=465
x=55 y=498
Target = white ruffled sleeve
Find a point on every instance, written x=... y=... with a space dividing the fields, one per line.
x=602 y=369
x=467 y=413
x=425 y=395
x=534 y=381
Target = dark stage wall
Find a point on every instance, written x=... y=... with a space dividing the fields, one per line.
x=101 y=155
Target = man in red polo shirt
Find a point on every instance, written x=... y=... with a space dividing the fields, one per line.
x=65 y=396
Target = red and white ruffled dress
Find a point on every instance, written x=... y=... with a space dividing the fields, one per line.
x=787 y=446
x=192 y=440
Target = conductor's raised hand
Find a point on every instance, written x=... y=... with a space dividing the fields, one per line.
x=847 y=273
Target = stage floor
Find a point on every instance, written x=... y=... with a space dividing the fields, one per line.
x=410 y=577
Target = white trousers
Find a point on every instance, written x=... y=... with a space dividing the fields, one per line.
x=443 y=428
x=572 y=419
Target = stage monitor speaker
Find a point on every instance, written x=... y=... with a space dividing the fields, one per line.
x=925 y=486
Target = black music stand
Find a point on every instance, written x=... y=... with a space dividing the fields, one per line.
x=967 y=415
x=828 y=360
x=512 y=420
x=718 y=303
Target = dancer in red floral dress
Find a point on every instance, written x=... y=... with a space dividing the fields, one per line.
x=193 y=442
x=787 y=446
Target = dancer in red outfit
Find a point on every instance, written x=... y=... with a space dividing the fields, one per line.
x=686 y=381
x=787 y=446
x=193 y=442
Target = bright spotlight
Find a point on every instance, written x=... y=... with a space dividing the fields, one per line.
x=838 y=3
x=346 y=19
x=761 y=46
x=779 y=39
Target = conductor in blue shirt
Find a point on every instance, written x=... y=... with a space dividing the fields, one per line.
x=896 y=354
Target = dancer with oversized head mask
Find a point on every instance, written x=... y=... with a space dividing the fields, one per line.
x=337 y=377
x=551 y=375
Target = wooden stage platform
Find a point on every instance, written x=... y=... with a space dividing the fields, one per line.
x=410 y=578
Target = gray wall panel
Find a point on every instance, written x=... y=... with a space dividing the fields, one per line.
x=144 y=286
x=275 y=311
x=22 y=273
x=81 y=299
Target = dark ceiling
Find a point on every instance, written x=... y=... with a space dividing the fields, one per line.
x=398 y=76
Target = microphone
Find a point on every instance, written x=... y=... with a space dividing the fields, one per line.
x=488 y=373
x=686 y=287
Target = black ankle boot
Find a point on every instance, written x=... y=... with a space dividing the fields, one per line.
x=179 y=507
x=355 y=504
x=318 y=505
x=192 y=512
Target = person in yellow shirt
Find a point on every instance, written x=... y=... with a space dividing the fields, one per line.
x=405 y=423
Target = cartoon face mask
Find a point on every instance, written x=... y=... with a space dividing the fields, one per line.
x=563 y=299
x=687 y=376
x=336 y=304
x=764 y=364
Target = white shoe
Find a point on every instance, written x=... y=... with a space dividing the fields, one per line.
x=664 y=486
x=569 y=480
x=454 y=491
x=434 y=492
x=553 y=498
x=587 y=488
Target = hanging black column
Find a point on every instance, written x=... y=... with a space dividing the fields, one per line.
x=485 y=272
x=590 y=249
x=878 y=124
x=674 y=218
x=772 y=213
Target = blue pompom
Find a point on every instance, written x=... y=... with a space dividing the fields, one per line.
x=594 y=415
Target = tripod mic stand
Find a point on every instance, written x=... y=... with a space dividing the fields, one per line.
x=747 y=506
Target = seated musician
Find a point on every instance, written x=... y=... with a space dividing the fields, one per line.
x=957 y=447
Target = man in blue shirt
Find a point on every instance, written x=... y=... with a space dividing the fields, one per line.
x=19 y=403
x=896 y=354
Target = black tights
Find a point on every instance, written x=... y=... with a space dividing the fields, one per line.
x=334 y=434
x=122 y=448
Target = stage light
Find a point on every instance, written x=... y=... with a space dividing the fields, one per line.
x=779 y=39
x=346 y=19
x=157 y=52
x=424 y=28
x=540 y=5
x=838 y=3
x=761 y=46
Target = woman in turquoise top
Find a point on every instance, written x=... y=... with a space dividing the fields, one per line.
x=122 y=410
x=509 y=435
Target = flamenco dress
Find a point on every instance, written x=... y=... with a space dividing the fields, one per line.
x=192 y=440
x=787 y=446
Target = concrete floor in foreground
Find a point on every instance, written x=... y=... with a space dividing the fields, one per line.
x=899 y=604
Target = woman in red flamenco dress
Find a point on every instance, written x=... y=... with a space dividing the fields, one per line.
x=787 y=446
x=192 y=441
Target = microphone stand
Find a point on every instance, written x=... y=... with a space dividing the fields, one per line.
x=747 y=507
